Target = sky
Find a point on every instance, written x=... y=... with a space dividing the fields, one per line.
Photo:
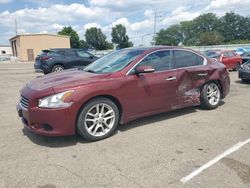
x=50 y=16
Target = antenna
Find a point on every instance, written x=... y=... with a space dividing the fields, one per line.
x=154 y=27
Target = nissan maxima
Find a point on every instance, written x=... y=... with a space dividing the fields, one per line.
x=120 y=87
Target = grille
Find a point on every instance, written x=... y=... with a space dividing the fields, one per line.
x=24 y=102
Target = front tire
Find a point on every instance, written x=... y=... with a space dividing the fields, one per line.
x=98 y=119
x=210 y=96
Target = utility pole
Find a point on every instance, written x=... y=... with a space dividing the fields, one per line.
x=16 y=26
x=142 y=40
x=154 y=27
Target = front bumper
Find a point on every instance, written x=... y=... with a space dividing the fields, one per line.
x=48 y=122
x=244 y=74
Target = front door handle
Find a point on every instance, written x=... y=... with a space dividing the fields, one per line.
x=202 y=74
x=171 y=78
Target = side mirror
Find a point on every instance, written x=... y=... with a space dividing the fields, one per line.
x=144 y=69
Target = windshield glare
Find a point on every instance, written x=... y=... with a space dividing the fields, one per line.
x=114 y=61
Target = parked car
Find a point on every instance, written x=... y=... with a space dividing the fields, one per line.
x=4 y=58
x=211 y=52
x=228 y=58
x=122 y=86
x=244 y=72
x=242 y=50
x=58 y=59
x=245 y=57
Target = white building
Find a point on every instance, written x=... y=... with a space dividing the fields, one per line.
x=5 y=50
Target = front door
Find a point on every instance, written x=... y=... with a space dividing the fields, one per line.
x=152 y=92
x=30 y=54
x=83 y=58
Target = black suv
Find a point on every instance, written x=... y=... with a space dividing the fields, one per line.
x=58 y=59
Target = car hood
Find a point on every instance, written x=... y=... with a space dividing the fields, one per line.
x=65 y=79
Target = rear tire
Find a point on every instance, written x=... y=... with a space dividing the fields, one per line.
x=57 y=68
x=210 y=96
x=98 y=119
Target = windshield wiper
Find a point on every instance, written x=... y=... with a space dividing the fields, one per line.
x=89 y=70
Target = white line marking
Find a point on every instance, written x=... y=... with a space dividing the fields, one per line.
x=215 y=160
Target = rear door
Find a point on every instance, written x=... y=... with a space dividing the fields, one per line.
x=151 y=92
x=192 y=73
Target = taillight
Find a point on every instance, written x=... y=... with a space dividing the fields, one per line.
x=45 y=58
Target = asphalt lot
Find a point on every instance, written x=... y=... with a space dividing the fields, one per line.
x=156 y=151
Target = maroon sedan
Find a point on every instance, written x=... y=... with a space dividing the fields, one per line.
x=120 y=87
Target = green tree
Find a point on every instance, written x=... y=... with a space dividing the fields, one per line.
x=210 y=38
x=234 y=27
x=74 y=37
x=120 y=37
x=83 y=44
x=170 y=36
x=96 y=39
x=191 y=30
x=110 y=45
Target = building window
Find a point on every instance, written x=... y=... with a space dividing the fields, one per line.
x=3 y=52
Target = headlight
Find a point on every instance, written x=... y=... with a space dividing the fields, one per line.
x=246 y=66
x=59 y=100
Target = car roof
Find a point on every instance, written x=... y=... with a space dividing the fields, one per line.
x=65 y=49
x=155 y=48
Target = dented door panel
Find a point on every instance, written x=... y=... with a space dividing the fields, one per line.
x=190 y=80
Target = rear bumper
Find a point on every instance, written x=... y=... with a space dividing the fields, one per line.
x=39 y=67
x=48 y=122
x=243 y=74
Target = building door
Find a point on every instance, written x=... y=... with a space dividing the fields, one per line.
x=30 y=53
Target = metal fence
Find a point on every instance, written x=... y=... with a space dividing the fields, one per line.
x=219 y=47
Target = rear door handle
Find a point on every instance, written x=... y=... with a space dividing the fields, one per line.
x=202 y=74
x=171 y=78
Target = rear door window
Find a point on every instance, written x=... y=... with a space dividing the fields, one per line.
x=187 y=59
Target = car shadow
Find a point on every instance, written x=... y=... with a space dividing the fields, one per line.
x=241 y=82
x=156 y=118
x=66 y=141
x=54 y=142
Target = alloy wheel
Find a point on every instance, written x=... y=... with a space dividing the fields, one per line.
x=99 y=119
x=213 y=94
x=57 y=69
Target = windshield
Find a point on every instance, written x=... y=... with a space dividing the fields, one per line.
x=214 y=55
x=114 y=61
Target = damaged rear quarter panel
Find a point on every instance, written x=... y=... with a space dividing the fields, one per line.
x=191 y=80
